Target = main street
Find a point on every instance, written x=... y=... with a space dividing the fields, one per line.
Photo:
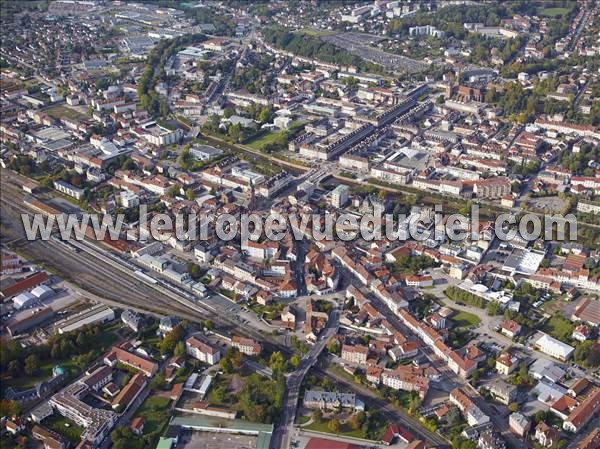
x=283 y=433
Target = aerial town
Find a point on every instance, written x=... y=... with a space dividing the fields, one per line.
x=130 y=333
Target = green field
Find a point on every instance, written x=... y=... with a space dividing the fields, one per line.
x=44 y=373
x=65 y=427
x=102 y=342
x=303 y=419
x=553 y=12
x=465 y=319
x=559 y=327
x=260 y=141
x=314 y=32
x=155 y=412
x=60 y=111
x=345 y=429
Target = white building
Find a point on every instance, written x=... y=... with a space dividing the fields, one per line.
x=68 y=189
x=553 y=347
x=23 y=300
x=204 y=152
x=202 y=351
x=339 y=196
x=96 y=314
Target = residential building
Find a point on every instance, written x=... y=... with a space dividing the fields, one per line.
x=506 y=363
x=519 y=424
x=465 y=404
x=583 y=413
x=356 y=354
x=120 y=354
x=202 y=351
x=339 y=196
x=328 y=400
x=546 y=435
x=502 y=391
x=246 y=345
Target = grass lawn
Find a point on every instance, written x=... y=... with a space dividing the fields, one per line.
x=344 y=430
x=102 y=341
x=259 y=142
x=44 y=373
x=65 y=427
x=465 y=319
x=342 y=372
x=155 y=412
x=303 y=419
x=314 y=32
x=559 y=327
x=552 y=306
x=553 y=12
x=60 y=111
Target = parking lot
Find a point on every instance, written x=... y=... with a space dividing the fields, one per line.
x=215 y=440
x=547 y=204
x=359 y=47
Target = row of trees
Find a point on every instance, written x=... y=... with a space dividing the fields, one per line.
x=462 y=296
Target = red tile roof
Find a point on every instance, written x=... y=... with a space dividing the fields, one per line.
x=322 y=443
x=24 y=284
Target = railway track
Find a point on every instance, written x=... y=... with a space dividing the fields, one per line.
x=118 y=284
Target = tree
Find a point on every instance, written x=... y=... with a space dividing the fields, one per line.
x=357 y=420
x=209 y=325
x=593 y=358
x=493 y=308
x=194 y=270
x=334 y=425
x=226 y=365
x=235 y=133
x=167 y=345
x=158 y=382
x=81 y=340
x=317 y=416
x=265 y=115
x=173 y=190
x=9 y=408
x=237 y=358
x=523 y=376
x=513 y=407
x=294 y=361
x=179 y=349
x=582 y=351
x=190 y=195
x=32 y=365
x=414 y=402
x=453 y=416
x=15 y=368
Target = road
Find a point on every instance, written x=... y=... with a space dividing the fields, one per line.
x=580 y=27
x=282 y=435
